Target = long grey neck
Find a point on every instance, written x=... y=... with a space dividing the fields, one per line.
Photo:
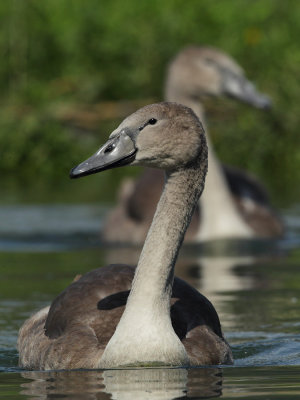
x=159 y=254
x=219 y=215
x=148 y=306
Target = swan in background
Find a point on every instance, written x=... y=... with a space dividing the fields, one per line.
x=165 y=321
x=233 y=204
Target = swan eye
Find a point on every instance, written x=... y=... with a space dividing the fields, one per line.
x=109 y=148
x=152 y=121
x=209 y=61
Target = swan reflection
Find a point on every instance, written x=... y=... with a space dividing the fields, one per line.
x=209 y=274
x=123 y=384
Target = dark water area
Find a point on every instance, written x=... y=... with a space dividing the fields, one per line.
x=254 y=285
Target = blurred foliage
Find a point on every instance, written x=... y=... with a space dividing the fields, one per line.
x=56 y=52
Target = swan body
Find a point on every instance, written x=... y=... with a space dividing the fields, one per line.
x=88 y=324
x=233 y=204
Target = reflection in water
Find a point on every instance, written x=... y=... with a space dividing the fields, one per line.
x=216 y=277
x=208 y=274
x=213 y=275
x=157 y=384
x=256 y=296
x=223 y=278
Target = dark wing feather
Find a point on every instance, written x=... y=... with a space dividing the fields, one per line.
x=106 y=290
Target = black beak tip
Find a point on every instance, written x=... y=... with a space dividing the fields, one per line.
x=266 y=104
x=73 y=174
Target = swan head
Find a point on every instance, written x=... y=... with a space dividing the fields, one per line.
x=164 y=135
x=205 y=71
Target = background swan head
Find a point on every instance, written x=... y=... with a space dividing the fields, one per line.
x=197 y=72
x=163 y=135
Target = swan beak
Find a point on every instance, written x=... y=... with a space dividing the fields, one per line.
x=117 y=151
x=244 y=90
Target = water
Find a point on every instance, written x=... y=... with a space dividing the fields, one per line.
x=254 y=286
x=158 y=384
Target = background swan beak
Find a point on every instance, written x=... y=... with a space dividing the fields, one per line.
x=240 y=88
x=117 y=151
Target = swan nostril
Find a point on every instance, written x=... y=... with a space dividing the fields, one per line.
x=109 y=148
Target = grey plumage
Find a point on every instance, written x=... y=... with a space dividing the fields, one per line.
x=163 y=323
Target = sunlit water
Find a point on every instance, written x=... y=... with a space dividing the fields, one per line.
x=254 y=285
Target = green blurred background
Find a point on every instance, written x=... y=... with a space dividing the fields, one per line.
x=70 y=70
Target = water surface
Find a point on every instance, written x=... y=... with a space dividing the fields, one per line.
x=254 y=285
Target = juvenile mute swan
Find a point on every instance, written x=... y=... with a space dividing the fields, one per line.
x=86 y=326
x=233 y=204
